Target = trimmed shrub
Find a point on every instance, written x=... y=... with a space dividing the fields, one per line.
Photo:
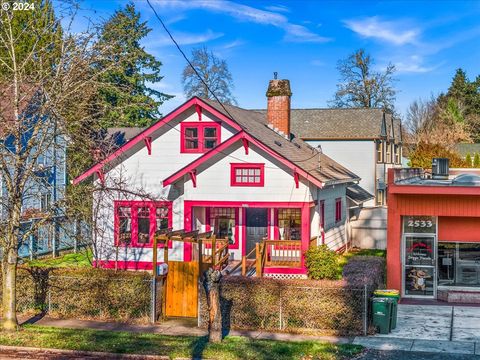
x=323 y=307
x=365 y=270
x=321 y=262
x=85 y=293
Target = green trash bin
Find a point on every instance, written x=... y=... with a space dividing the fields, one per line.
x=395 y=296
x=382 y=313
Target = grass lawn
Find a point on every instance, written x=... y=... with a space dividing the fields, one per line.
x=345 y=257
x=174 y=346
x=80 y=259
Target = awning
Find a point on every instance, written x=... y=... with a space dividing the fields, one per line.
x=358 y=194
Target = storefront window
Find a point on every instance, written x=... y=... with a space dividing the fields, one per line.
x=289 y=224
x=222 y=222
x=458 y=264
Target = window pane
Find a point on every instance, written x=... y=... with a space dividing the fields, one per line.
x=143 y=225
x=289 y=224
x=191 y=144
x=191 y=132
x=210 y=132
x=210 y=144
x=125 y=225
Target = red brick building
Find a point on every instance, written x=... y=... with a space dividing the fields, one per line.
x=433 y=247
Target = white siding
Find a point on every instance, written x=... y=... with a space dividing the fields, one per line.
x=213 y=180
x=357 y=156
x=142 y=174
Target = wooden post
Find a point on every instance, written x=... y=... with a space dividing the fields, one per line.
x=244 y=265
x=214 y=250
x=165 y=251
x=258 y=262
x=200 y=256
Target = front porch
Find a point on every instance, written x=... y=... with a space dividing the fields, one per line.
x=265 y=239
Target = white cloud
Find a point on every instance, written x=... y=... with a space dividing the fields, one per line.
x=183 y=38
x=397 y=33
x=233 y=44
x=413 y=64
x=294 y=32
x=278 y=8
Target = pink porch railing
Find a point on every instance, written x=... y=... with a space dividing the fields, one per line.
x=283 y=253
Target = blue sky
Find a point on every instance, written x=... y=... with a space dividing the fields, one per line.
x=303 y=40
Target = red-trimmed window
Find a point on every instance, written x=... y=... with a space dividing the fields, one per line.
x=199 y=137
x=137 y=222
x=222 y=222
x=338 y=209
x=247 y=174
x=290 y=224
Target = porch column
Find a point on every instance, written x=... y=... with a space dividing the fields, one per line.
x=305 y=231
x=187 y=225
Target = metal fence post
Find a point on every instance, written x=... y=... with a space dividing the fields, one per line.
x=49 y=304
x=365 y=310
x=153 y=300
x=280 y=315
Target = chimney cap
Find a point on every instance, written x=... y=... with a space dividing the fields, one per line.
x=279 y=88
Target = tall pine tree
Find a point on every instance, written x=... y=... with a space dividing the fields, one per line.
x=128 y=98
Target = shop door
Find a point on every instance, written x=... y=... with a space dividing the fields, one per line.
x=419 y=266
x=256 y=227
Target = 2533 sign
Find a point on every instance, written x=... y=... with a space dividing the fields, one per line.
x=419 y=224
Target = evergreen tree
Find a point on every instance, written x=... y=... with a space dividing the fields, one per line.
x=30 y=40
x=476 y=161
x=128 y=99
x=468 y=160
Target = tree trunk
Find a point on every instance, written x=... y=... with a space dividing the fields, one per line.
x=212 y=287
x=9 y=286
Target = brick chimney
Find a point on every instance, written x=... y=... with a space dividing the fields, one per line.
x=278 y=104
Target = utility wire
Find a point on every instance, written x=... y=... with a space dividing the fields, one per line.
x=206 y=85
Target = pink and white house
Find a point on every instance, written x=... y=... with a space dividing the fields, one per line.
x=220 y=168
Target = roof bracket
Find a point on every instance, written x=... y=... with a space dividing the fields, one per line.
x=148 y=144
x=296 y=178
x=193 y=177
x=245 y=145
x=198 y=109
x=101 y=176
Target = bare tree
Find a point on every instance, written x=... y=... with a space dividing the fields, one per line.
x=46 y=91
x=361 y=86
x=420 y=115
x=214 y=72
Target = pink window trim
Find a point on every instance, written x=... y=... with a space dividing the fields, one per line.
x=201 y=141
x=338 y=210
x=134 y=205
x=235 y=166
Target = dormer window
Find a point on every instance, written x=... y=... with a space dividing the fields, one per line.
x=199 y=137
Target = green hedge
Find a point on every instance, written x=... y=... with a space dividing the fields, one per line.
x=323 y=307
x=84 y=293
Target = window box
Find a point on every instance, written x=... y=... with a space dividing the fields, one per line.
x=199 y=137
x=247 y=174
x=136 y=222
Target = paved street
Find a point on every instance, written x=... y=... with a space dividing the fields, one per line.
x=409 y=355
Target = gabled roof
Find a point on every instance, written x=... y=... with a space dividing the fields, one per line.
x=355 y=123
x=299 y=153
x=307 y=160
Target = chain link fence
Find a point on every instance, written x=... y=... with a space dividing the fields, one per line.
x=92 y=295
x=283 y=306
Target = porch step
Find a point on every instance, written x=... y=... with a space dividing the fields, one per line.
x=234 y=268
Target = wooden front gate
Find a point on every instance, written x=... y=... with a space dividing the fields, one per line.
x=182 y=289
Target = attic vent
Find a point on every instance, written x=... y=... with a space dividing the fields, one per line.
x=278 y=143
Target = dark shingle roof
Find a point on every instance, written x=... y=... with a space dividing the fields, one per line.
x=352 y=123
x=122 y=135
x=358 y=194
x=297 y=151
